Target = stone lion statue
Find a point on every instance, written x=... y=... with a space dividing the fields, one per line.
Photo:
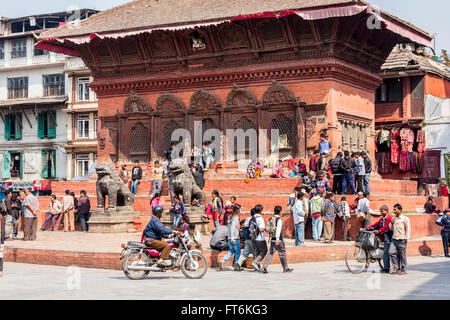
x=182 y=182
x=110 y=185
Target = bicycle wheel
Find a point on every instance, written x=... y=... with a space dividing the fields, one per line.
x=356 y=259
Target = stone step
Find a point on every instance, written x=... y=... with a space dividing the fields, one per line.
x=237 y=186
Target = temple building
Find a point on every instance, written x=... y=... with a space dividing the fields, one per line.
x=302 y=67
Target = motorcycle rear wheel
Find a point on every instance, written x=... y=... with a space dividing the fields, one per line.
x=188 y=271
x=133 y=258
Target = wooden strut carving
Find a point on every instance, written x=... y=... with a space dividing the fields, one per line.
x=136 y=104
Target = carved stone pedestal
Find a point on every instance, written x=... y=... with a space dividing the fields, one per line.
x=118 y=222
x=195 y=216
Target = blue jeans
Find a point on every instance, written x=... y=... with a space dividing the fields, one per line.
x=317 y=225
x=386 y=260
x=235 y=247
x=176 y=220
x=366 y=183
x=348 y=178
x=84 y=218
x=134 y=185
x=299 y=233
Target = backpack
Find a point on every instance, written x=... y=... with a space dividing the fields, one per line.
x=272 y=227
x=246 y=233
x=253 y=229
x=335 y=165
x=3 y=207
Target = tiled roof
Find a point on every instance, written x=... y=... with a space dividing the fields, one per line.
x=33 y=101
x=408 y=60
x=139 y=14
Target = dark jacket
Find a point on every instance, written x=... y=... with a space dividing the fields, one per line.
x=368 y=164
x=8 y=205
x=335 y=165
x=178 y=208
x=155 y=230
x=347 y=164
x=445 y=222
x=199 y=180
x=15 y=211
x=169 y=155
x=84 y=205
x=136 y=173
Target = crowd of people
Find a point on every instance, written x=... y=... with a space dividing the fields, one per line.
x=25 y=207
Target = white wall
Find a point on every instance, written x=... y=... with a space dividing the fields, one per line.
x=437 y=129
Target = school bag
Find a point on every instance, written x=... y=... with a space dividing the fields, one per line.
x=253 y=229
x=272 y=227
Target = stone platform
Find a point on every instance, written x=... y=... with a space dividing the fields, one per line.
x=92 y=250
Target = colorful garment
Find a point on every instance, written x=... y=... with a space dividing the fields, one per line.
x=384 y=162
x=395 y=147
x=421 y=141
x=403 y=162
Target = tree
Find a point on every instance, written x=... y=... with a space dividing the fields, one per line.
x=444 y=58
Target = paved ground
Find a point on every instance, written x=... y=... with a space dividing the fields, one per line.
x=428 y=278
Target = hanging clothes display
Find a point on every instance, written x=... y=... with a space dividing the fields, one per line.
x=418 y=162
x=384 y=162
x=395 y=147
x=421 y=141
x=384 y=137
x=403 y=161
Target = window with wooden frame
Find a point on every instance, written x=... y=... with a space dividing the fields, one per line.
x=47 y=124
x=13 y=126
x=83 y=126
x=390 y=91
x=83 y=89
x=48 y=167
x=18 y=88
x=19 y=48
x=54 y=85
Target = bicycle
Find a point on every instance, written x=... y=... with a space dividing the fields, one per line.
x=358 y=258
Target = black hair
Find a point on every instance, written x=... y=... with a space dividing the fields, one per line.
x=346 y=153
x=362 y=153
x=277 y=209
x=339 y=154
x=8 y=192
x=258 y=208
x=300 y=194
x=298 y=189
x=136 y=161
x=323 y=135
x=242 y=221
x=398 y=206
x=252 y=211
x=329 y=195
x=430 y=198
x=156 y=162
x=54 y=196
x=316 y=151
x=67 y=191
x=233 y=197
x=365 y=194
x=343 y=199
x=191 y=226
x=83 y=192
x=236 y=208
x=72 y=194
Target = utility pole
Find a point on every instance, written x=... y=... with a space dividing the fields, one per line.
x=2 y=243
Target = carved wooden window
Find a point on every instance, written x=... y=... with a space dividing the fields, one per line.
x=168 y=130
x=139 y=141
x=128 y=47
x=284 y=125
x=272 y=31
x=354 y=136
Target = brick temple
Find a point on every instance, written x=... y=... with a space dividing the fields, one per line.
x=304 y=68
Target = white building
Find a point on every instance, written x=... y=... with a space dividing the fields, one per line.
x=33 y=94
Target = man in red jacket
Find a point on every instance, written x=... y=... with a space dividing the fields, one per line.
x=314 y=161
x=381 y=228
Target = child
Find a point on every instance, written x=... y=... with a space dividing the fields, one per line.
x=155 y=201
x=208 y=212
x=344 y=214
x=276 y=170
x=258 y=170
x=228 y=210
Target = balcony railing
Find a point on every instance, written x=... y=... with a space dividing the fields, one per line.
x=54 y=90
x=18 y=93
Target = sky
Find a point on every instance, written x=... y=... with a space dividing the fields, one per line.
x=430 y=15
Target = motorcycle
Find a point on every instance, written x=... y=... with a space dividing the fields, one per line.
x=138 y=259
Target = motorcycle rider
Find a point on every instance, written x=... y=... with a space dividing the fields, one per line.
x=153 y=234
